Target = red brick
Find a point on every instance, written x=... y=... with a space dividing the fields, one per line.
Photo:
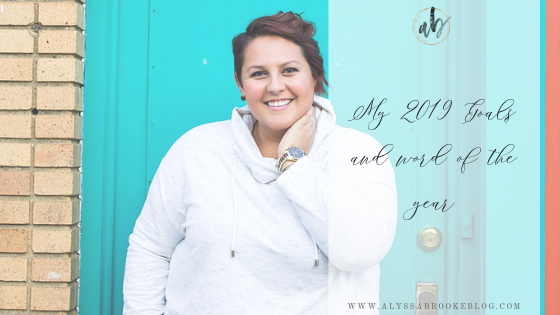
x=61 y=14
x=13 y=269
x=15 y=154
x=57 y=155
x=15 y=97
x=59 y=97
x=65 y=183
x=58 y=126
x=16 y=13
x=14 y=212
x=63 y=269
x=66 y=41
x=13 y=297
x=15 y=126
x=14 y=183
x=61 y=240
x=16 y=41
x=16 y=69
x=13 y=241
x=61 y=212
x=54 y=298
x=67 y=69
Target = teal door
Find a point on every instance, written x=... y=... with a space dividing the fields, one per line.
x=376 y=56
x=156 y=69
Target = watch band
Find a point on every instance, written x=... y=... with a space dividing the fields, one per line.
x=293 y=154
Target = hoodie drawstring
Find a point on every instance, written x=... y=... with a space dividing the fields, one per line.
x=316 y=255
x=234 y=209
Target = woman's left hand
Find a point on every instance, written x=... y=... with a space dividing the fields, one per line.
x=301 y=134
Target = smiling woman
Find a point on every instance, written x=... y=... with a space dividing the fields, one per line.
x=278 y=85
x=265 y=213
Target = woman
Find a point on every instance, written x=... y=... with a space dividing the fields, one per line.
x=265 y=213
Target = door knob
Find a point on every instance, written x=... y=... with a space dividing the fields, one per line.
x=429 y=238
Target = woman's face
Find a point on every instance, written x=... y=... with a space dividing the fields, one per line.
x=277 y=82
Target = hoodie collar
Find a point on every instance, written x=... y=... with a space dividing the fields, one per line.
x=247 y=151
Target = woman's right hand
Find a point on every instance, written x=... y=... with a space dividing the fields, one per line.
x=301 y=134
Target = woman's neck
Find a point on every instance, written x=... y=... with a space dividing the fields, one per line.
x=267 y=141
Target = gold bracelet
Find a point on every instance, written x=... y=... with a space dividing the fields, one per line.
x=281 y=167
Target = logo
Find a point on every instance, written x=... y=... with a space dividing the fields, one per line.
x=431 y=26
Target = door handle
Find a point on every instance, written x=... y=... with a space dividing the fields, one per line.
x=430 y=238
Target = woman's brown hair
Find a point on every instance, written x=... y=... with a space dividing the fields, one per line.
x=289 y=26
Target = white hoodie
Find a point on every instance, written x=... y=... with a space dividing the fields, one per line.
x=214 y=194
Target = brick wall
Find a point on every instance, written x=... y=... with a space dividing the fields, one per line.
x=41 y=77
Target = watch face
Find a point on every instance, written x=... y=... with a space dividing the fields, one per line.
x=296 y=152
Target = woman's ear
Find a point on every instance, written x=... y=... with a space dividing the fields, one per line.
x=239 y=84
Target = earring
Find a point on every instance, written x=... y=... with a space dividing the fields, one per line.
x=242 y=97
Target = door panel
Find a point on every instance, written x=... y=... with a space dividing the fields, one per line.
x=114 y=155
x=375 y=55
